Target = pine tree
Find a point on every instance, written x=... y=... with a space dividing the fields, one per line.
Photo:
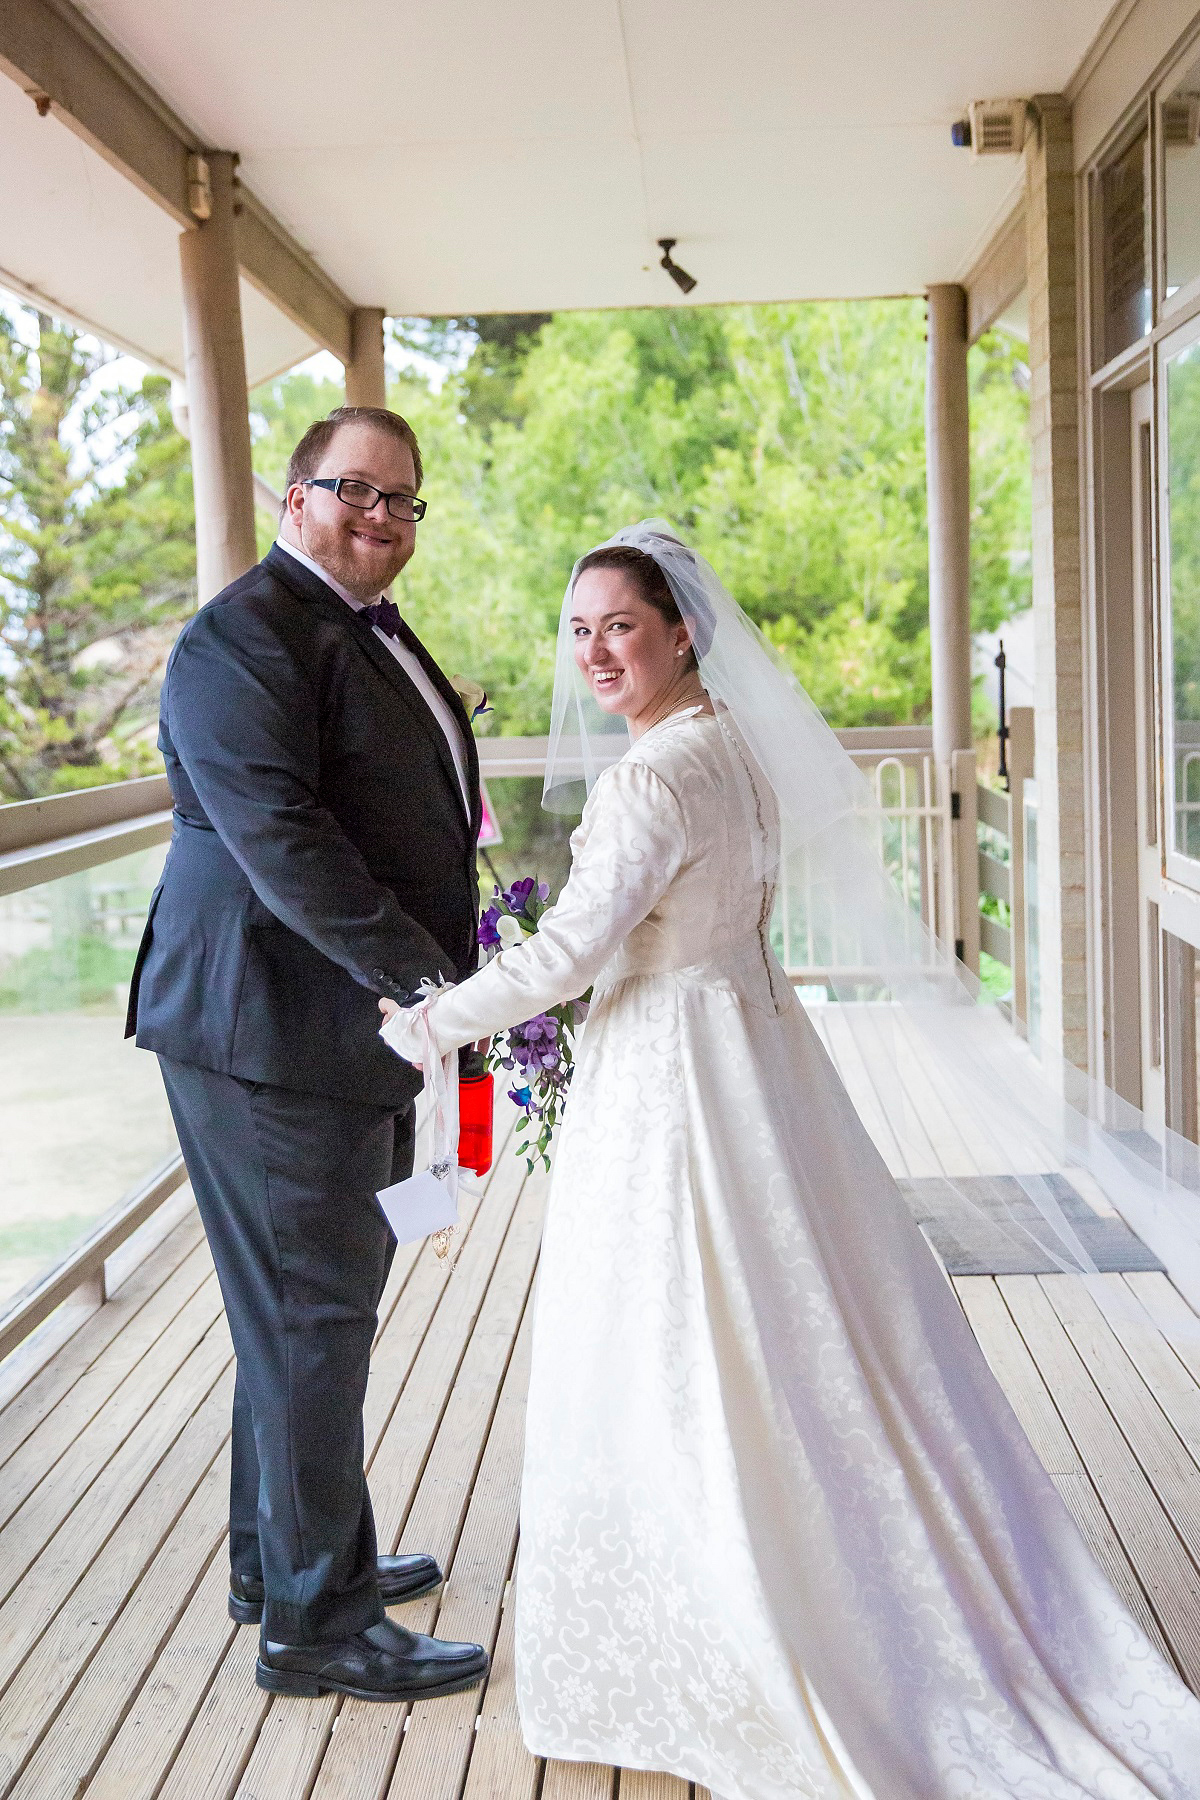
x=97 y=560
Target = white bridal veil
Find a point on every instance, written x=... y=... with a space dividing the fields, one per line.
x=1018 y=1140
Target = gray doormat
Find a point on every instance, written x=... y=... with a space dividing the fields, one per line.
x=966 y=1221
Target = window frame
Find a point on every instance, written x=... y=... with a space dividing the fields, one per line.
x=1177 y=867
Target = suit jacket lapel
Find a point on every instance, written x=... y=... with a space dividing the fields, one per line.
x=450 y=695
x=313 y=590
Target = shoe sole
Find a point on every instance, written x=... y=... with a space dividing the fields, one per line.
x=310 y=1687
x=249 y=1612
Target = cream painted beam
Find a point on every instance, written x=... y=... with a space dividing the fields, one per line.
x=366 y=374
x=998 y=277
x=276 y=265
x=67 y=68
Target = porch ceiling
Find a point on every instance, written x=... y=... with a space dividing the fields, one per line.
x=523 y=155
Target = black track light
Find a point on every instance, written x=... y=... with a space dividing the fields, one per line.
x=680 y=277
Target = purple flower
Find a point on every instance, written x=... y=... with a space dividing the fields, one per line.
x=487 y=934
x=519 y=893
x=543 y=890
x=520 y=1096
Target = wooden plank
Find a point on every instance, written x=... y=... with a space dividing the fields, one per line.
x=577 y=1781
x=860 y=1084
x=220 y=1739
x=81 y=1406
x=644 y=1784
x=994 y=877
x=105 y=1508
x=875 y=1038
x=27 y=1408
x=130 y=1411
x=166 y=1704
x=1163 y=1566
x=501 y=1768
x=994 y=809
x=954 y=1120
x=1017 y=1373
x=99 y=1685
x=996 y=939
x=1170 y=1470
x=439 y=1741
x=223 y=1735
x=363 y=1752
x=1167 y=1376
x=1172 y=1314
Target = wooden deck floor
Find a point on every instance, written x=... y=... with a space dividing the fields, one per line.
x=122 y=1678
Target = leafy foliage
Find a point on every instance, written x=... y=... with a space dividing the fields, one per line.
x=97 y=560
x=787 y=440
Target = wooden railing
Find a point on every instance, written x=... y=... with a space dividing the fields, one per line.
x=1000 y=860
x=41 y=840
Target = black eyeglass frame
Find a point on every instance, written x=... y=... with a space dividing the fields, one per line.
x=335 y=483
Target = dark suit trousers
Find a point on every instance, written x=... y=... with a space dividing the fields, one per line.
x=286 y=1183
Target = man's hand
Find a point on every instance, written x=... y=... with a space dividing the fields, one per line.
x=389 y=1008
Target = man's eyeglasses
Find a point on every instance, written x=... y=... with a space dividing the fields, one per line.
x=365 y=498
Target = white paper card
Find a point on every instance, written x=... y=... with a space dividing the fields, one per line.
x=417 y=1207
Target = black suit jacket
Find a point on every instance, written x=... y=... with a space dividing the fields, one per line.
x=321 y=854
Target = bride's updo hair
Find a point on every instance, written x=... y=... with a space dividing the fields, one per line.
x=648 y=579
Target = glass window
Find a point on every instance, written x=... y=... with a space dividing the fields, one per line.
x=83 y=1116
x=1183 y=520
x=1125 y=236
x=1181 y=181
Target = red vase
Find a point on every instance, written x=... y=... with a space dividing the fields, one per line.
x=475 y=1122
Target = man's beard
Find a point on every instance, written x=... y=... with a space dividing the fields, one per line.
x=328 y=547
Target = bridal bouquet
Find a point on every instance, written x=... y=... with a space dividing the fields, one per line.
x=540 y=1053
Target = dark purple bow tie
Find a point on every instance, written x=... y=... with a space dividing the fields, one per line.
x=384 y=614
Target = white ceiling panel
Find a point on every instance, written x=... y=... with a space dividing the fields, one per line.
x=525 y=156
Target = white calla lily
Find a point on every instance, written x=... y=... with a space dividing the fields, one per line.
x=509 y=931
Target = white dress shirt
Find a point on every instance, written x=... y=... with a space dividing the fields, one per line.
x=411 y=665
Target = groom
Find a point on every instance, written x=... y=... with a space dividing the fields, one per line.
x=326 y=796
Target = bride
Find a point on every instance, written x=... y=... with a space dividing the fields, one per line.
x=781 y=1533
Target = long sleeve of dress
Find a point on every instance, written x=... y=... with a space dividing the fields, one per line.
x=626 y=853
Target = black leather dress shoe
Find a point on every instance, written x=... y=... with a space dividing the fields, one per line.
x=385 y=1662
x=400 y=1578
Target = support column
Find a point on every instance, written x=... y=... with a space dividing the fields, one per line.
x=948 y=483
x=948 y=488
x=218 y=409
x=1057 y=594
x=366 y=374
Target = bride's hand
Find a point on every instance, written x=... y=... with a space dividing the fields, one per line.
x=389 y=1009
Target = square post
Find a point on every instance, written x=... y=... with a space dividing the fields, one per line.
x=366 y=372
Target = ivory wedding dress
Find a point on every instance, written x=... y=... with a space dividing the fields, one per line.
x=781 y=1533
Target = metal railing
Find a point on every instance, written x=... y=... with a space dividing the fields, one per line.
x=914 y=840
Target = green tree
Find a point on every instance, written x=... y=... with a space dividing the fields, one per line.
x=97 y=560
x=788 y=441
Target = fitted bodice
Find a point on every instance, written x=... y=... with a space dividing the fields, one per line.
x=711 y=923
x=671 y=877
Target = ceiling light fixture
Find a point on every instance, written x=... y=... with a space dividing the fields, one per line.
x=680 y=277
